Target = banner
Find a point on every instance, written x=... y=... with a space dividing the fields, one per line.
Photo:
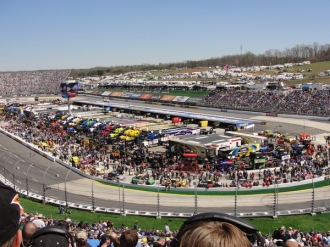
x=167 y=98
x=180 y=99
x=127 y=95
x=145 y=96
x=116 y=94
x=106 y=93
x=194 y=100
x=135 y=95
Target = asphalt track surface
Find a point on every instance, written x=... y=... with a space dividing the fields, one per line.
x=80 y=189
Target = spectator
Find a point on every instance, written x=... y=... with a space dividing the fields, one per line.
x=28 y=230
x=211 y=232
x=167 y=229
x=136 y=225
x=81 y=239
x=10 y=235
x=104 y=240
x=293 y=102
x=38 y=221
x=51 y=236
x=160 y=242
x=32 y=82
x=63 y=223
x=281 y=235
x=292 y=243
x=128 y=238
x=93 y=240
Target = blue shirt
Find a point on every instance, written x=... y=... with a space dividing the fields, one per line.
x=93 y=242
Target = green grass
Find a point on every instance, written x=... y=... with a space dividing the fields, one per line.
x=319 y=222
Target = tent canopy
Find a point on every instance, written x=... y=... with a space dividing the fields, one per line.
x=304 y=135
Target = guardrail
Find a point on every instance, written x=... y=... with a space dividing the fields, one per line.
x=155 y=213
x=322 y=207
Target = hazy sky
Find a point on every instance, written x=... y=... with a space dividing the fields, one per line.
x=73 y=34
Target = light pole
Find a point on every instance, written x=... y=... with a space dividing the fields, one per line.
x=65 y=193
x=27 y=181
x=119 y=194
x=43 y=185
x=58 y=186
x=158 y=203
x=15 y=168
x=93 y=204
x=275 y=198
x=123 y=213
x=196 y=198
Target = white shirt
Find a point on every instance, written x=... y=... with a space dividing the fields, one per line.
x=39 y=223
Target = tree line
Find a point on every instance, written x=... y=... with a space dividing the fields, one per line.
x=314 y=53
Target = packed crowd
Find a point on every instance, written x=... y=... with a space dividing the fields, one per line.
x=98 y=233
x=293 y=102
x=51 y=137
x=35 y=82
x=18 y=228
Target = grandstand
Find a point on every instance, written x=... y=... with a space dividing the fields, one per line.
x=31 y=82
x=314 y=103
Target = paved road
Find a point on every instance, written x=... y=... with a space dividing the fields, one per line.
x=79 y=189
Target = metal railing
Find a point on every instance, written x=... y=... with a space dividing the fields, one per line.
x=67 y=187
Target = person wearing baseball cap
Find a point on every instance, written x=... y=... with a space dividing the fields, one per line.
x=11 y=211
x=81 y=239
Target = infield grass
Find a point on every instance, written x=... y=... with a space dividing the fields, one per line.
x=319 y=222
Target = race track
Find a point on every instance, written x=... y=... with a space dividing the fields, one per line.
x=79 y=189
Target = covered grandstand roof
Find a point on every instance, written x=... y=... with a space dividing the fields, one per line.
x=185 y=114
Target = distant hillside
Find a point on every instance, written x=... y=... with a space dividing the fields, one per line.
x=299 y=53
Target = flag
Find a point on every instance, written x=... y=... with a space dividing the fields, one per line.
x=226 y=67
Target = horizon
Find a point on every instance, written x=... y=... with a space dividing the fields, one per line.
x=62 y=35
